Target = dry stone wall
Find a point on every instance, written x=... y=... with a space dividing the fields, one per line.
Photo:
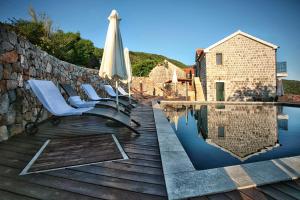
x=155 y=82
x=19 y=61
x=248 y=69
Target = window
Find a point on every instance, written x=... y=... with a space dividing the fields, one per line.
x=219 y=58
x=221 y=132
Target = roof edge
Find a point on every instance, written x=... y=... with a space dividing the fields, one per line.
x=244 y=34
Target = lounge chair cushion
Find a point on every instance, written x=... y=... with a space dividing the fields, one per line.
x=110 y=91
x=77 y=102
x=49 y=95
x=90 y=92
x=122 y=91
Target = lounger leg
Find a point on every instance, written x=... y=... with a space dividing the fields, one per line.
x=55 y=120
x=31 y=127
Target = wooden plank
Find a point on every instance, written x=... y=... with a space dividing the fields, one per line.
x=25 y=150
x=218 y=197
x=155 y=179
x=37 y=191
x=73 y=161
x=287 y=190
x=256 y=194
x=5 y=195
x=140 y=162
x=237 y=195
x=276 y=194
x=143 y=187
x=12 y=162
x=199 y=198
x=144 y=157
x=292 y=184
x=132 y=168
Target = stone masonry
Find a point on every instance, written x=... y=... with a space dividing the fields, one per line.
x=248 y=69
x=19 y=61
x=157 y=78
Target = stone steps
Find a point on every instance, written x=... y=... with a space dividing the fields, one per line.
x=198 y=89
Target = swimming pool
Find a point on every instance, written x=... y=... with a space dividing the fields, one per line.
x=224 y=135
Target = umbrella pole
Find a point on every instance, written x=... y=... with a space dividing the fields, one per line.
x=117 y=92
x=129 y=93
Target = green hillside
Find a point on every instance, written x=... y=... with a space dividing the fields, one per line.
x=142 y=63
x=72 y=48
x=291 y=87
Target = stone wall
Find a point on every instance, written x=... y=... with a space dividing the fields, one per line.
x=164 y=72
x=248 y=69
x=248 y=129
x=19 y=61
x=157 y=78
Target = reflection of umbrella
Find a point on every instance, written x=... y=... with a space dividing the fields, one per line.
x=186 y=115
x=176 y=121
x=128 y=69
x=174 y=79
x=113 y=62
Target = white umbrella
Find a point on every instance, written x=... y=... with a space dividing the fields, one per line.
x=174 y=79
x=129 y=72
x=113 y=62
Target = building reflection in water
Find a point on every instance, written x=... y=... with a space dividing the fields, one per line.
x=241 y=130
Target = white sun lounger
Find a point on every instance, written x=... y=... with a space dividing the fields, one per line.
x=51 y=98
x=122 y=91
x=92 y=95
x=125 y=94
x=75 y=100
x=111 y=92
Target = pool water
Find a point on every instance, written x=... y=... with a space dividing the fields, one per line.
x=224 y=135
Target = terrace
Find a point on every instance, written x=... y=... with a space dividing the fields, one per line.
x=139 y=177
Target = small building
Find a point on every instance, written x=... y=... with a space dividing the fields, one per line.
x=239 y=67
x=189 y=72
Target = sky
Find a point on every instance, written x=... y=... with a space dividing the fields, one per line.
x=175 y=28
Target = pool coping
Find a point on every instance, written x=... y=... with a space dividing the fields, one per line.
x=184 y=181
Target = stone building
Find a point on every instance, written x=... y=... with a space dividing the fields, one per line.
x=239 y=67
x=158 y=77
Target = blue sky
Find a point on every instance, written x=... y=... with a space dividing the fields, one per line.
x=175 y=28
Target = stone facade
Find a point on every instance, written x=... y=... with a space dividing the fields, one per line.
x=247 y=129
x=159 y=75
x=19 y=61
x=248 y=69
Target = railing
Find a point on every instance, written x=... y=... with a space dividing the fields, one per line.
x=281 y=67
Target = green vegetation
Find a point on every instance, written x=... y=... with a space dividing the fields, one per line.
x=72 y=48
x=142 y=63
x=291 y=87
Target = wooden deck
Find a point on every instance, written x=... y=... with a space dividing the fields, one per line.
x=139 y=177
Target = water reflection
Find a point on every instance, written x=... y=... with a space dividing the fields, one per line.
x=242 y=131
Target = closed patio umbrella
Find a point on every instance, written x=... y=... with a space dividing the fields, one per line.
x=129 y=72
x=175 y=80
x=113 y=62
